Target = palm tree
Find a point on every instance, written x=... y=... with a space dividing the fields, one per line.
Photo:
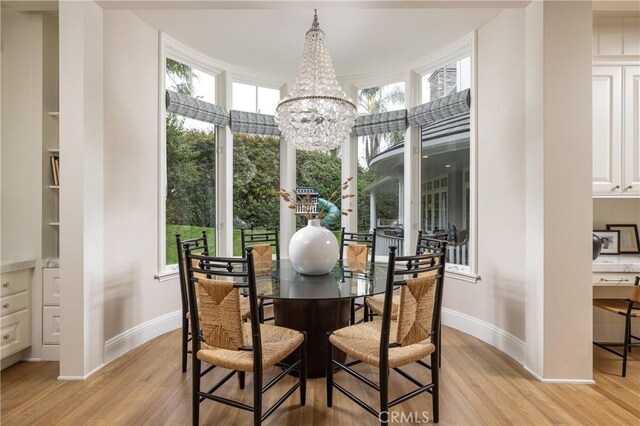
x=372 y=101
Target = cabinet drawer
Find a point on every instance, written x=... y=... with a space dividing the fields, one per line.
x=15 y=332
x=51 y=286
x=51 y=325
x=14 y=282
x=614 y=278
x=14 y=303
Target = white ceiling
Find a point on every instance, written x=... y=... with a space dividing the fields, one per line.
x=359 y=40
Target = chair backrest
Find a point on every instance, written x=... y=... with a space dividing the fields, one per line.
x=249 y=237
x=214 y=302
x=635 y=295
x=197 y=245
x=361 y=249
x=420 y=299
x=431 y=243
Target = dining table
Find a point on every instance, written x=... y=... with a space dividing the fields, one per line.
x=317 y=304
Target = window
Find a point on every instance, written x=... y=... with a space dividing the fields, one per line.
x=250 y=98
x=190 y=162
x=381 y=170
x=256 y=166
x=445 y=171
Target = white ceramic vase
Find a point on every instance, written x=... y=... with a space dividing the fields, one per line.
x=313 y=250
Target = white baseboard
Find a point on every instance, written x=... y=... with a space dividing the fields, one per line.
x=489 y=333
x=50 y=353
x=566 y=381
x=141 y=333
x=86 y=376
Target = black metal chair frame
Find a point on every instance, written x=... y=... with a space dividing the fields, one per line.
x=368 y=239
x=196 y=244
x=415 y=265
x=627 y=344
x=429 y=244
x=238 y=268
x=261 y=237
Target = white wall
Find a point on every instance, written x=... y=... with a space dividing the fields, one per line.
x=612 y=210
x=21 y=166
x=498 y=299
x=132 y=295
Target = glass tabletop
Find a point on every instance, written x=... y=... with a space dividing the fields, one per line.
x=284 y=282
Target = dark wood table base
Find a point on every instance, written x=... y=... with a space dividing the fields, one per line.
x=316 y=317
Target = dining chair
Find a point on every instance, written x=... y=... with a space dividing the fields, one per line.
x=625 y=308
x=360 y=251
x=224 y=340
x=424 y=244
x=263 y=243
x=197 y=245
x=389 y=345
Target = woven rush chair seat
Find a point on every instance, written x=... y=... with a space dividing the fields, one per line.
x=628 y=309
x=362 y=342
x=264 y=242
x=360 y=251
x=277 y=343
x=376 y=305
x=245 y=308
x=617 y=306
x=223 y=340
x=388 y=345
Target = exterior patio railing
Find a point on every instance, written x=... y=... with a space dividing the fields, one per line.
x=383 y=242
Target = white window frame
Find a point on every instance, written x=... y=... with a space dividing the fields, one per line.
x=350 y=164
x=170 y=48
x=466 y=47
x=412 y=75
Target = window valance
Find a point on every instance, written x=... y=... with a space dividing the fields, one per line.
x=252 y=123
x=440 y=109
x=187 y=106
x=383 y=122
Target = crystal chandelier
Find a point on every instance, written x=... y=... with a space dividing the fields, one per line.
x=317 y=115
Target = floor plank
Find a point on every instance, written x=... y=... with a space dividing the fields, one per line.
x=480 y=385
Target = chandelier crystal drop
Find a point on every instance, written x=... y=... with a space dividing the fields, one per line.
x=316 y=115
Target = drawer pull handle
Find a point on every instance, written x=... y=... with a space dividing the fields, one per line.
x=6 y=337
x=6 y=305
x=619 y=280
x=5 y=285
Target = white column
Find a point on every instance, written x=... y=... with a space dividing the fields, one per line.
x=224 y=173
x=287 y=181
x=81 y=190
x=558 y=191
x=411 y=193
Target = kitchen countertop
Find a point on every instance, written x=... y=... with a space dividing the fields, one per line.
x=617 y=263
x=10 y=265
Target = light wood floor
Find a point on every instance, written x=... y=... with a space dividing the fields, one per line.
x=480 y=385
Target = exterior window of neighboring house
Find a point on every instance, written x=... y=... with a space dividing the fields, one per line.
x=445 y=177
x=256 y=166
x=380 y=170
x=190 y=163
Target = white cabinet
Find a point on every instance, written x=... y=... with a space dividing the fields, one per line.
x=631 y=131
x=15 y=319
x=616 y=157
x=51 y=314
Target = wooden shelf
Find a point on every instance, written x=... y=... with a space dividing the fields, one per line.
x=54 y=114
x=54 y=186
x=54 y=223
x=54 y=150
